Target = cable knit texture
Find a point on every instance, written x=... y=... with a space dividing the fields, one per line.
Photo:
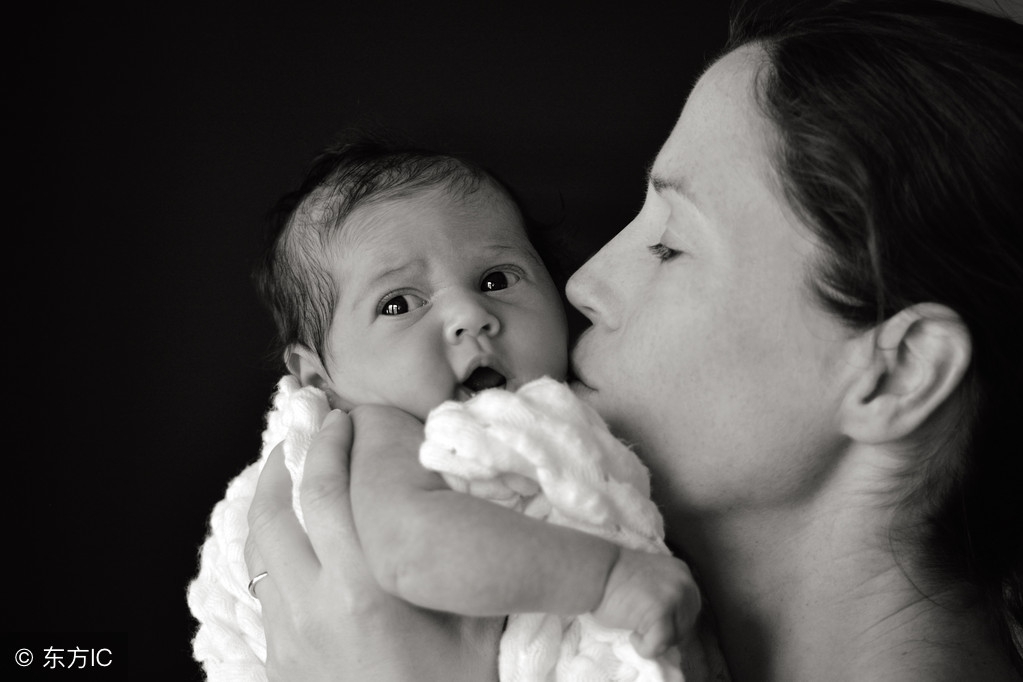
x=539 y=451
x=230 y=642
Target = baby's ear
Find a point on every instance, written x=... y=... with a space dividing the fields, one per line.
x=917 y=359
x=305 y=365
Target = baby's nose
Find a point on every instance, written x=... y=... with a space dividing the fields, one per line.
x=469 y=316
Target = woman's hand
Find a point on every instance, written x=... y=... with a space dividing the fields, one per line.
x=324 y=616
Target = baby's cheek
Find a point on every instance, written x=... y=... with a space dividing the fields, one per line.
x=422 y=386
x=537 y=348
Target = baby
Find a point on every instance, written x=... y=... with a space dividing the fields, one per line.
x=403 y=277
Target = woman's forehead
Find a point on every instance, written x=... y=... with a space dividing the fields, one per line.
x=720 y=150
x=720 y=130
x=720 y=154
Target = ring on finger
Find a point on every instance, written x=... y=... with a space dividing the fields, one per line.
x=255 y=580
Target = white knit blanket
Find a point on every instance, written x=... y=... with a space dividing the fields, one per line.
x=539 y=451
x=230 y=642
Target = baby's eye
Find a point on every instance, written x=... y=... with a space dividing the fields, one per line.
x=399 y=305
x=499 y=279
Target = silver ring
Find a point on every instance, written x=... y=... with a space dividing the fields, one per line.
x=254 y=581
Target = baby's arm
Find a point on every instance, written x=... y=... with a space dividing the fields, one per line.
x=450 y=551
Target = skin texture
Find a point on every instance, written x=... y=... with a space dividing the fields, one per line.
x=323 y=611
x=431 y=286
x=724 y=331
x=780 y=441
x=450 y=551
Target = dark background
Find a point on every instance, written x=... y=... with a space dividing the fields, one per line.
x=146 y=146
x=149 y=143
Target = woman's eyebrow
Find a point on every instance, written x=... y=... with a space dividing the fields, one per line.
x=676 y=184
x=679 y=186
x=661 y=183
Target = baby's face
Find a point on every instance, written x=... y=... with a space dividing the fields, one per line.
x=441 y=296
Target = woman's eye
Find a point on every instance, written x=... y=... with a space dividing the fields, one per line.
x=399 y=305
x=663 y=253
x=500 y=279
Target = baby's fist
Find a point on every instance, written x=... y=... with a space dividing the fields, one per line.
x=654 y=596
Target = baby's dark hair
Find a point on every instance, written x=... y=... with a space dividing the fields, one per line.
x=292 y=276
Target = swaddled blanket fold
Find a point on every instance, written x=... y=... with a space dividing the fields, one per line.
x=230 y=642
x=545 y=453
x=539 y=451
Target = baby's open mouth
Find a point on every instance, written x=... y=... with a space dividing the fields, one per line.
x=483 y=378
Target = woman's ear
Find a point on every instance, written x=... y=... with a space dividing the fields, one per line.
x=916 y=360
x=305 y=365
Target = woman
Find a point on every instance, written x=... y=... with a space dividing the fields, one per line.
x=811 y=333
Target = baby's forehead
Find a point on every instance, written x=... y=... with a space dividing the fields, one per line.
x=485 y=214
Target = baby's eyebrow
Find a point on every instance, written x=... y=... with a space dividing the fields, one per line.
x=499 y=250
x=414 y=265
x=373 y=279
x=404 y=267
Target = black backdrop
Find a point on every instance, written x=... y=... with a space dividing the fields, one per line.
x=146 y=146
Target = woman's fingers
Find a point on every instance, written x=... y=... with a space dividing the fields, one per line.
x=322 y=610
x=324 y=493
x=253 y=562
x=282 y=547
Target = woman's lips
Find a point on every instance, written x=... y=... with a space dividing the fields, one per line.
x=574 y=375
x=579 y=385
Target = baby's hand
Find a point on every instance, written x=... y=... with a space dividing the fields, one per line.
x=653 y=595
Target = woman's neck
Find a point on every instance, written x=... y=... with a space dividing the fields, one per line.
x=815 y=593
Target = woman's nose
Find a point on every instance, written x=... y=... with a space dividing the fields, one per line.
x=468 y=315
x=592 y=290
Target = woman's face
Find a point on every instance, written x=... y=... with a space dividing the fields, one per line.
x=706 y=349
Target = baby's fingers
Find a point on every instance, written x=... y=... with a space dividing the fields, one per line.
x=671 y=628
x=655 y=641
x=687 y=610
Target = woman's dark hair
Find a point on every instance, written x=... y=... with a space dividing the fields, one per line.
x=900 y=128
x=359 y=167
